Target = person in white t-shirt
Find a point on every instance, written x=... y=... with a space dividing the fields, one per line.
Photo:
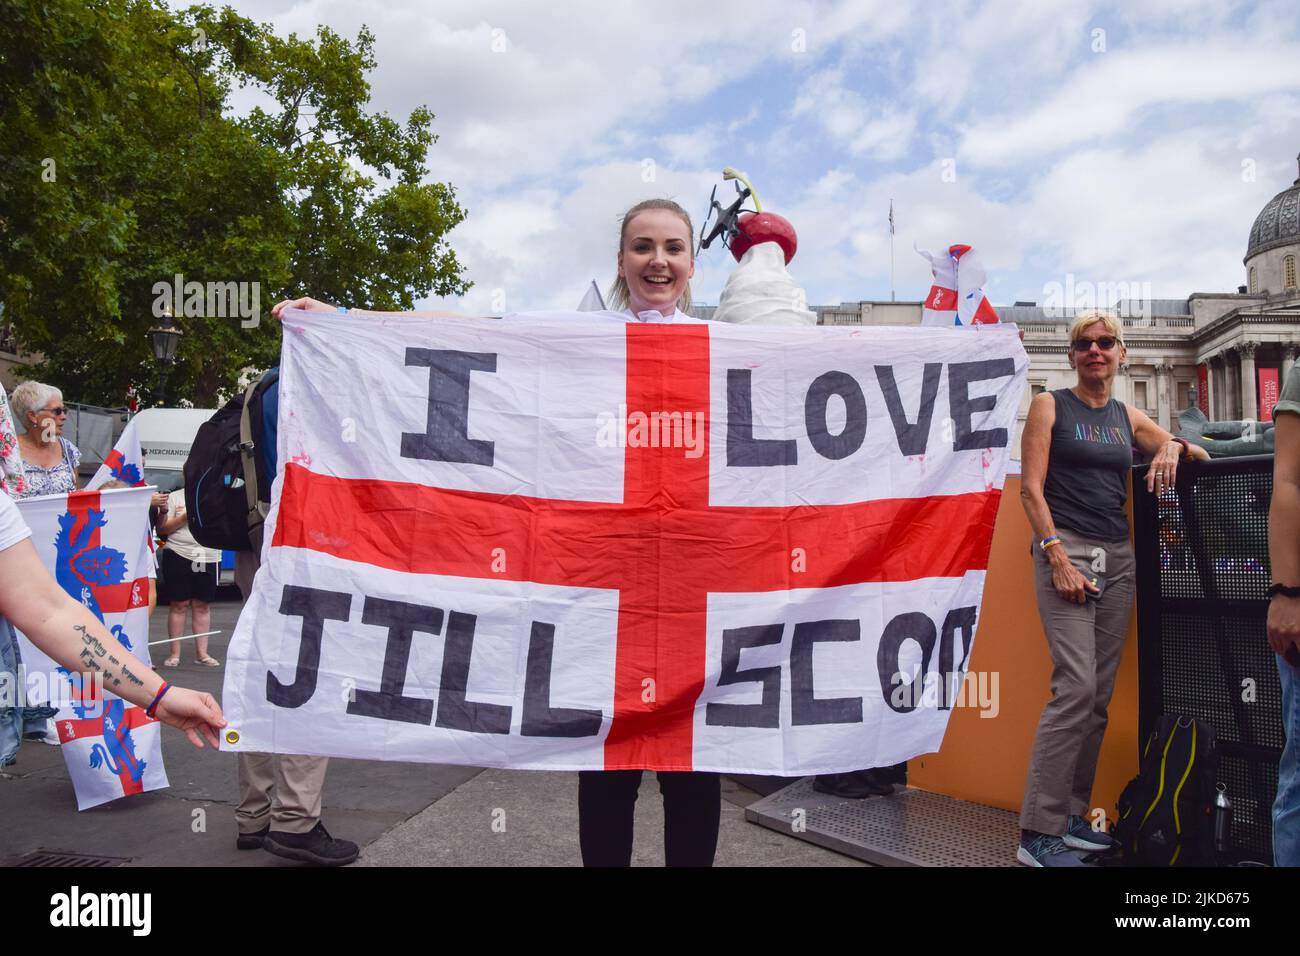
x=32 y=601
x=190 y=576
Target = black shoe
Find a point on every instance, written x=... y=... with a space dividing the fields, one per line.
x=855 y=785
x=314 y=846
x=253 y=841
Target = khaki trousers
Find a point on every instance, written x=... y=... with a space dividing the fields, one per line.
x=282 y=790
x=1086 y=642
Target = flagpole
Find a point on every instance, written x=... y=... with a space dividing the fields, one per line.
x=891 y=250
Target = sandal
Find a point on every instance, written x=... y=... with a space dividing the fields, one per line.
x=171 y=662
x=208 y=661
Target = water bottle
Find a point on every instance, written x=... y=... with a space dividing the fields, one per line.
x=1222 y=820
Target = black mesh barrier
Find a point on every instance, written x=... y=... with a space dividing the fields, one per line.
x=1202 y=571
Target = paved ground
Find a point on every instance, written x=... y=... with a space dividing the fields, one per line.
x=402 y=814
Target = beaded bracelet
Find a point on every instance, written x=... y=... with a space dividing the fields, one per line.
x=149 y=711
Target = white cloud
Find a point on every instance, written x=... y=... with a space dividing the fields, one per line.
x=853 y=122
x=1104 y=97
x=1169 y=213
x=1123 y=165
x=568 y=76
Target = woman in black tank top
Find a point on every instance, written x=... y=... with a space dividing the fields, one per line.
x=1076 y=453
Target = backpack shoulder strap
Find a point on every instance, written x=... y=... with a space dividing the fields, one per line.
x=248 y=452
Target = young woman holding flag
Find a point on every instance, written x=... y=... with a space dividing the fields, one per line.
x=655 y=264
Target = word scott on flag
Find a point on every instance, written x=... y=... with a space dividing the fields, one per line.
x=558 y=541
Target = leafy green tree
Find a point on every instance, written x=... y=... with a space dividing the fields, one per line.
x=122 y=165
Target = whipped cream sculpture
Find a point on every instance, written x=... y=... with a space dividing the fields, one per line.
x=759 y=291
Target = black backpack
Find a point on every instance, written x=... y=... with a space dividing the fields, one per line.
x=227 y=492
x=1166 y=813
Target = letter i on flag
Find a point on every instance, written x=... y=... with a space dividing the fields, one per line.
x=91 y=542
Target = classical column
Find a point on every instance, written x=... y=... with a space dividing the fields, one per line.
x=1231 y=387
x=1288 y=361
x=1120 y=388
x=1249 y=386
x=1163 y=369
x=1216 y=387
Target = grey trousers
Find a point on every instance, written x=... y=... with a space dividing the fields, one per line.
x=281 y=790
x=1086 y=642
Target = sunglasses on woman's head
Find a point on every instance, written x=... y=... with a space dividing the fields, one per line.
x=1104 y=342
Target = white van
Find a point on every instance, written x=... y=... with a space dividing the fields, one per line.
x=166 y=435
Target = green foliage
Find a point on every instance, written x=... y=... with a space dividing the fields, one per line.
x=122 y=164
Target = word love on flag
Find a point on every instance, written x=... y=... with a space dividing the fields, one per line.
x=791 y=530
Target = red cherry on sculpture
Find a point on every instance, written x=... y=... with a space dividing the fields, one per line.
x=756 y=227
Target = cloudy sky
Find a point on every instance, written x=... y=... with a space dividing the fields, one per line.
x=1115 y=142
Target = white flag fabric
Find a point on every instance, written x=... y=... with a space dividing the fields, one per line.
x=957 y=295
x=568 y=541
x=592 y=300
x=124 y=463
x=94 y=545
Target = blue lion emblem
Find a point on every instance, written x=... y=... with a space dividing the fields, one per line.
x=121 y=469
x=78 y=567
x=117 y=752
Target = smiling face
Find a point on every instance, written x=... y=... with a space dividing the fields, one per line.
x=656 y=260
x=1096 y=365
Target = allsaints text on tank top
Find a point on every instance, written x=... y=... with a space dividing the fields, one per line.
x=1100 y=434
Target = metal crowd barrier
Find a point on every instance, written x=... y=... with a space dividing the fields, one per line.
x=1202 y=571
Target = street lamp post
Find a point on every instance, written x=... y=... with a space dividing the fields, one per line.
x=166 y=338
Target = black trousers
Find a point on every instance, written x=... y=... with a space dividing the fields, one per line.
x=692 y=812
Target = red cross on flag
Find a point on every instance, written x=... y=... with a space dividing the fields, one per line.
x=957 y=295
x=95 y=545
x=581 y=541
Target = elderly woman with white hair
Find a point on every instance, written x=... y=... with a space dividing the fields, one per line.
x=49 y=460
x=1076 y=453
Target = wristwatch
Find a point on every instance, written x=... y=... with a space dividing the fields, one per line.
x=1187 y=448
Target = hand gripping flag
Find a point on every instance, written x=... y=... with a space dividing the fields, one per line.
x=957 y=295
x=565 y=542
x=93 y=545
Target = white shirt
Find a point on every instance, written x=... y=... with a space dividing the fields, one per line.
x=12 y=526
x=650 y=315
x=624 y=317
x=181 y=541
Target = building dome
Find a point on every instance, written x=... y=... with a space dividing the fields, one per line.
x=1278 y=223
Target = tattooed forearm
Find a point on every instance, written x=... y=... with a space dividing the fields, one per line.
x=90 y=655
x=91 y=641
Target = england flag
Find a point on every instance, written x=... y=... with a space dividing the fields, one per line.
x=565 y=541
x=93 y=543
x=957 y=295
